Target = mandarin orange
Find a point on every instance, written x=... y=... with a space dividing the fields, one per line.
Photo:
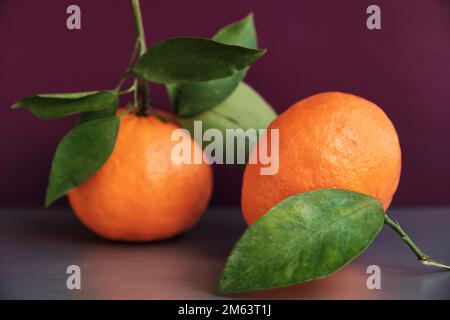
x=329 y=140
x=140 y=194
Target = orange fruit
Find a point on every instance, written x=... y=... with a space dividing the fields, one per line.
x=329 y=140
x=140 y=194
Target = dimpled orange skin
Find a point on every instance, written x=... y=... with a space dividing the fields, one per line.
x=329 y=140
x=140 y=194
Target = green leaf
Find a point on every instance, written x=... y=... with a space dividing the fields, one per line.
x=53 y=106
x=241 y=33
x=305 y=237
x=243 y=109
x=193 y=98
x=80 y=154
x=187 y=59
x=93 y=115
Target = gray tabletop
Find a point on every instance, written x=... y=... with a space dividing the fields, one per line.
x=37 y=246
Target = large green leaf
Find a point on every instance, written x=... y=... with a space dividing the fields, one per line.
x=80 y=154
x=244 y=109
x=187 y=59
x=53 y=106
x=193 y=98
x=305 y=237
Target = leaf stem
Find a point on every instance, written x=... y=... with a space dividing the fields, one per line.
x=127 y=72
x=127 y=91
x=141 y=87
x=423 y=258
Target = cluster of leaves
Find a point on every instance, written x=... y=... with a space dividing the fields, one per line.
x=227 y=103
x=200 y=74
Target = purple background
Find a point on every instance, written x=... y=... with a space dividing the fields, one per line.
x=312 y=46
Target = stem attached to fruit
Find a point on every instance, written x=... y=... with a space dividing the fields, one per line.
x=423 y=258
x=141 y=87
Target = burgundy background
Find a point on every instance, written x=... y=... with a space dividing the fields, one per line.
x=313 y=46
